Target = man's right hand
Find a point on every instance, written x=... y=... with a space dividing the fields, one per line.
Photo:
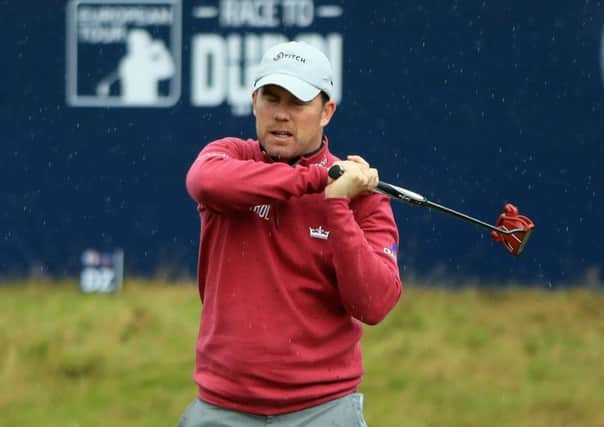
x=357 y=178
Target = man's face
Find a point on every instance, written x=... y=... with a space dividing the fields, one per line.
x=286 y=126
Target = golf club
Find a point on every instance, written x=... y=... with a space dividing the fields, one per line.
x=512 y=230
x=103 y=88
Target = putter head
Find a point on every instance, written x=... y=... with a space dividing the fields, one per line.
x=515 y=241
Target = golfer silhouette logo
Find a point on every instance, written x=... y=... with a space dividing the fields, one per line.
x=147 y=61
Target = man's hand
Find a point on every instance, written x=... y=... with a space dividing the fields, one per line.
x=357 y=178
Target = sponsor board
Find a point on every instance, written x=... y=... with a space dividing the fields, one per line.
x=128 y=53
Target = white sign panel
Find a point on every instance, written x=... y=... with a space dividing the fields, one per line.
x=102 y=272
x=128 y=53
x=123 y=53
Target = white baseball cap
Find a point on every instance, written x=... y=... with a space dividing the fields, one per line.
x=298 y=67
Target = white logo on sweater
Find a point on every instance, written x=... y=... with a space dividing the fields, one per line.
x=319 y=233
x=322 y=163
x=262 y=211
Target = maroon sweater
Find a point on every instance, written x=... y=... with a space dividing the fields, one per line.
x=285 y=278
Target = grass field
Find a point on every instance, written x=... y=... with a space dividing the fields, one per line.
x=443 y=358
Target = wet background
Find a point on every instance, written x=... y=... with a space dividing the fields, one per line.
x=473 y=104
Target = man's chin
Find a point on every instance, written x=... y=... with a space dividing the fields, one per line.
x=280 y=157
x=277 y=154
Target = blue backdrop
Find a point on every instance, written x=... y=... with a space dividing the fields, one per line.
x=473 y=104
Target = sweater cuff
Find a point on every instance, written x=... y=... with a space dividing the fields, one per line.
x=338 y=203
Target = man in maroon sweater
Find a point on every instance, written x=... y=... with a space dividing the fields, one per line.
x=291 y=261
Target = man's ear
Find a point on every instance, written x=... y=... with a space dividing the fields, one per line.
x=328 y=111
x=254 y=94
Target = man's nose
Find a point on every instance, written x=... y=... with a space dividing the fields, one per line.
x=281 y=113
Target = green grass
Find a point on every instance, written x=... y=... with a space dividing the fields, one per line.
x=466 y=358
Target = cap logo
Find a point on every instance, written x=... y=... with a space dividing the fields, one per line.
x=283 y=55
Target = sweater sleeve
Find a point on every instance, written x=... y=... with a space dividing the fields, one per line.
x=364 y=254
x=225 y=177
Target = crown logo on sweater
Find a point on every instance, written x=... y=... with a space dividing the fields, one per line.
x=319 y=233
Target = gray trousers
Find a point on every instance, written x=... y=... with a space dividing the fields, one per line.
x=346 y=411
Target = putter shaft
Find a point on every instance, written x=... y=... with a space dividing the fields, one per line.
x=402 y=194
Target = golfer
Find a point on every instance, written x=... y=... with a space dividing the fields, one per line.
x=291 y=261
